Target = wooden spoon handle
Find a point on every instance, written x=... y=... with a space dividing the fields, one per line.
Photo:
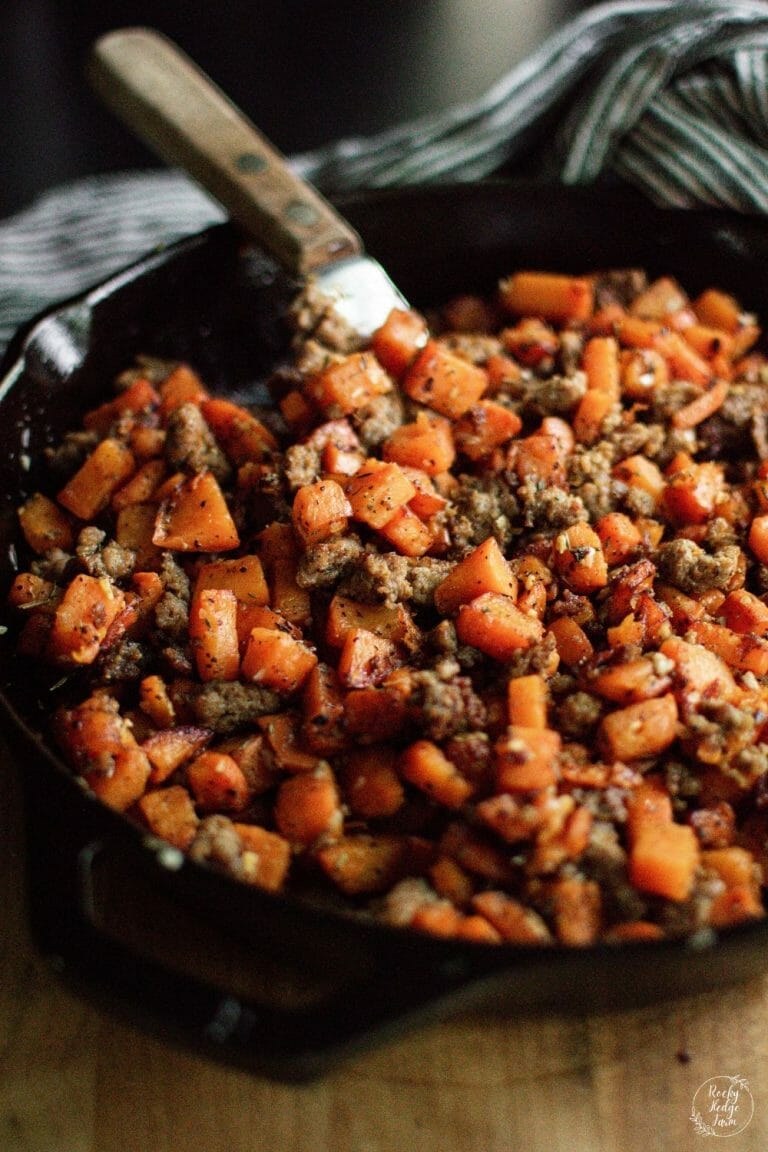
x=180 y=113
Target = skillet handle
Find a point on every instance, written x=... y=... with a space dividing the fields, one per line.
x=374 y=991
x=164 y=98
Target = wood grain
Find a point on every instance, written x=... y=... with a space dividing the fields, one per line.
x=72 y=1079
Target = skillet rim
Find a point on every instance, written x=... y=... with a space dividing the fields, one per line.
x=504 y=956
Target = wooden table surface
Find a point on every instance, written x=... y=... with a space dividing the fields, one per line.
x=72 y=1079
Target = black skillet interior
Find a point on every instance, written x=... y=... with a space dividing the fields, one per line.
x=256 y=979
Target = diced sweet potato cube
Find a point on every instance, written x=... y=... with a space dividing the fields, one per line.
x=758 y=538
x=255 y=759
x=527 y=701
x=31 y=591
x=734 y=865
x=142 y=485
x=82 y=619
x=573 y=644
x=213 y=634
x=629 y=681
x=297 y=411
x=349 y=383
x=746 y=653
x=181 y=386
x=146 y=443
x=320 y=510
x=553 y=296
x=376 y=492
x=593 y=409
x=663 y=860
x=502 y=371
x=513 y=921
x=662 y=297
x=640 y=472
x=698 y=671
x=579 y=558
x=90 y=490
x=684 y=362
x=407 y=533
x=600 y=362
x=243 y=576
x=168 y=749
x=44 y=525
x=125 y=781
x=308 y=807
x=526 y=759
x=450 y=880
x=718 y=309
x=633 y=930
x=648 y=805
x=391 y=621
x=366 y=659
x=277 y=660
x=399 y=339
x=531 y=341
x=170 y=814
x=194 y=517
x=539 y=458
x=619 y=537
x=280 y=554
x=438 y=918
x=483 y=570
x=735 y=905
x=692 y=494
x=640 y=730
x=365 y=865
x=284 y=736
x=425 y=766
x=427 y=501
x=323 y=711
x=485 y=426
x=494 y=624
x=427 y=444
x=341 y=461
x=577 y=910
x=266 y=856
x=217 y=782
x=93 y=732
x=240 y=434
x=134 y=529
x=372 y=786
x=444 y=381
x=477 y=854
x=372 y=714
x=744 y=612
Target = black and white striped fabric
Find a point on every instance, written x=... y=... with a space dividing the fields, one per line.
x=669 y=96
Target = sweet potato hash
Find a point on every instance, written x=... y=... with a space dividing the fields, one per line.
x=469 y=629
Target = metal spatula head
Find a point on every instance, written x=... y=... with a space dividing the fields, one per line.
x=180 y=113
x=362 y=292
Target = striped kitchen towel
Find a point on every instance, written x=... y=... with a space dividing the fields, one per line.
x=669 y=96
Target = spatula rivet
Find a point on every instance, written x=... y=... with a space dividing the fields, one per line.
x=250 y=163
x=299 y=212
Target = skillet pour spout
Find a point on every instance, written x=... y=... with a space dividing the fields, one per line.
x=275 y=982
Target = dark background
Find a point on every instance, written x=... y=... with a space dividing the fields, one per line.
x=306 y=71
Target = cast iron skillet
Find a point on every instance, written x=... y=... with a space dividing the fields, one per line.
x=266 y=981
